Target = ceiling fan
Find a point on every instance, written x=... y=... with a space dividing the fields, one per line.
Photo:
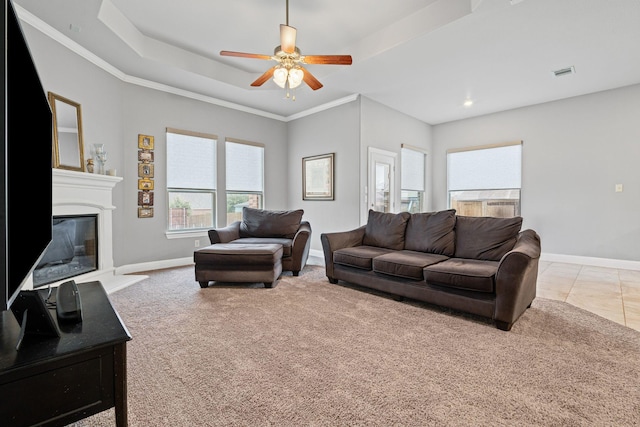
x=289 y=72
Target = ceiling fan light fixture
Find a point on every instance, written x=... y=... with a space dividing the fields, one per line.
x=280 y=76
x=288 y=77
x=295 y=77
x=289 y=73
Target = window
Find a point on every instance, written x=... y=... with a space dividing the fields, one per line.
x=191 y=180
x=412 y=179
x=245 y=177
x=485 y=181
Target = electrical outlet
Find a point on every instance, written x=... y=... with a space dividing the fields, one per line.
x=197 y=243
x=618 y=188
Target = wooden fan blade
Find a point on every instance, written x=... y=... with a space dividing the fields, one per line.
x=244 y=55
x=287 y=38
x=311 y=81
x=263 y=78
x=328 y=59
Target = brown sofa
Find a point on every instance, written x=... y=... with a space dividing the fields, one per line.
x=479 y=265
x=259 y=226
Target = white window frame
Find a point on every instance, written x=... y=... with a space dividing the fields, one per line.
x=198 y=231
x=411 y=184
x=507 y=188
x=229 y=166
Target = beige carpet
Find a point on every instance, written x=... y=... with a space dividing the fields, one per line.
x=309 y=353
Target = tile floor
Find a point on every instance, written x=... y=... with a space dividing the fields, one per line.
x=608 y=292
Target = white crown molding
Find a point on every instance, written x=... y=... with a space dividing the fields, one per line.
x=328 y=105
x=57 y=36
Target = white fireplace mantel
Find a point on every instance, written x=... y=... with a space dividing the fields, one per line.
x=81 y=193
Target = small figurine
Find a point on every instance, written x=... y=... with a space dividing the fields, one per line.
x=90 y=165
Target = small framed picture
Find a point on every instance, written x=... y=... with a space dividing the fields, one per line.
x=145 y=184
x=145 y=198
x=145 y=212
x=145 y=142
x=145 y=156
x=317 y=177
x=145 y=170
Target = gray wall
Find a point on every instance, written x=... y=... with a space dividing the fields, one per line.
x=150 y=112
x=332 y=131
x=114 y=113
x=574 y=152
x=387 y=129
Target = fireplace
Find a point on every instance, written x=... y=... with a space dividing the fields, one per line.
x=81 y=195
x=73 y=249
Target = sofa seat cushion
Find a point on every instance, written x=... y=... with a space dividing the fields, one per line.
x=286 y=243
x=358 y=256
x=239 y=257
x=467 y=274
x=407 y=264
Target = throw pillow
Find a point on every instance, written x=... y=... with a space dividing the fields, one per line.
x=386 y=230
x=268 y=223
x=431 y=232
x=485 y=237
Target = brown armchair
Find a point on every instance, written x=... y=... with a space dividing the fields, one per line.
x=260 y=226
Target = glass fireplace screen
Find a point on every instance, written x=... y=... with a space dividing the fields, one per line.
x=73 y=250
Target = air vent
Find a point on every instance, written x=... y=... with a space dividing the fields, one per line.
x=564 y=71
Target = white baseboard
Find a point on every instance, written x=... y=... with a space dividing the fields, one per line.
x=154 y=265
x=592 y=261
x=569 y=259
x=316 y=252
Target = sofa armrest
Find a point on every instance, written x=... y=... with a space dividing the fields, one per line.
x=516 y=279
x=331 y=242
x=225 y=234
x=300 y=245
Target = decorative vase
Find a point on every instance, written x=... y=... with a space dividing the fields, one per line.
x=101 y=157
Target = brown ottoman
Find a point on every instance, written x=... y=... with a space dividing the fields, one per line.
x=238 y=262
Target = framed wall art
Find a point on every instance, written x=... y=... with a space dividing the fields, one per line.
x=145 y=170
x=145 y=156
x=145 y=142
x=145 y=212
x=145 y=173
x=317 y=177
x=145 y=184
x=145 y=198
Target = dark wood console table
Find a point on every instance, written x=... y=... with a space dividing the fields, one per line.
x=58 y=381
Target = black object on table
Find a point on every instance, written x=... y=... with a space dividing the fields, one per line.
x=55 y=381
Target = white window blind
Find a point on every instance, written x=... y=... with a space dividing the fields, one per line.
x=487 y=168
x=245 y=170
x=412 y=169
x=191 y=162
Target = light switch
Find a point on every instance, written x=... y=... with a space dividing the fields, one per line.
x=618 y=188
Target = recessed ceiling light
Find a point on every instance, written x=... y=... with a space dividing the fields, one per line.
x=467 y=103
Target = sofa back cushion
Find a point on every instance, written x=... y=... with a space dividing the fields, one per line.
x=431 y=232
x=386 y=230
x=266 y=223
x=485 y=238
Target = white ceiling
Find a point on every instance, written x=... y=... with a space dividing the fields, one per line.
x=420 y=57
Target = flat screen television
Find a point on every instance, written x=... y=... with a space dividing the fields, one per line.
x=25 y=163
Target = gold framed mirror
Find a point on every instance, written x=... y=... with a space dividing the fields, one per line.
x=68 y=144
